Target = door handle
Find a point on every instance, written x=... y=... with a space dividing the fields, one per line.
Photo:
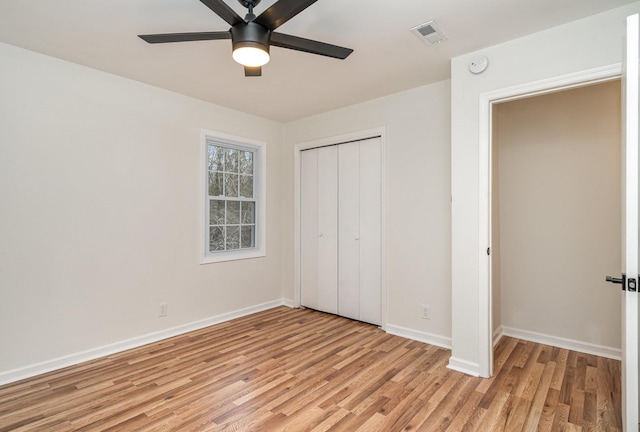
x=616 y=280
x=627 y=284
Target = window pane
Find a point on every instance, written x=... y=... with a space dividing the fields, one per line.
x=246 y=162
x=231 y=160
x=231 y=185
x=216 y=158
x=248 y=237
x=216 y=212
x=231 y=225
x=233 y=237
x=216 y=238
x=233 y=212
x=248 y=212
x=246 y=186
x=215 y=184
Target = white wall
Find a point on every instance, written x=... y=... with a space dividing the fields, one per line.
x=99 y=196
x=560 y=214
x=418 y=200
x=566 y=49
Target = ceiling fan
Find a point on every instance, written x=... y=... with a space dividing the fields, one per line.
x=252 y=36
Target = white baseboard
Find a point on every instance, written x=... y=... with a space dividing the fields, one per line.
x=138 y=341
x=288 y=303
x=419 y=336
x=574 y=345
x=497 y=335
x=464 y=366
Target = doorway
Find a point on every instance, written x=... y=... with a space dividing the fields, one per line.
x=485 y=109
x=555 y=218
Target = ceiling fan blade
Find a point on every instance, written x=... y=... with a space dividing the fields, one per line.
x=185 y=37
x=223 y=11
x=281 y=12
x=311 y=46
x=252 y=71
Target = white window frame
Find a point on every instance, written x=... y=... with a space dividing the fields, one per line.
x=259 y=173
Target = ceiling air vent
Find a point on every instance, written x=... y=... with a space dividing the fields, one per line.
x=429 y=32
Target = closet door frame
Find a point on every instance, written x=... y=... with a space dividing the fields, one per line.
x=336 y=140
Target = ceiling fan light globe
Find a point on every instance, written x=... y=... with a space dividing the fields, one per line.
x=251 y=56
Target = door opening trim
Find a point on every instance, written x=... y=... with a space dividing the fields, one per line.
x=486 y=101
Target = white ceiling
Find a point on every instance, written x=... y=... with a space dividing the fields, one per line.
x=387 y=56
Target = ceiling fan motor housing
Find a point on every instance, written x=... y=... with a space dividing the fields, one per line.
x=250 y=34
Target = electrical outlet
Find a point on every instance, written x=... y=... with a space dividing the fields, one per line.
x=163 y=309
x=426 y=312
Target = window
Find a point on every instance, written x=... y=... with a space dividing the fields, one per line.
x=234 y=198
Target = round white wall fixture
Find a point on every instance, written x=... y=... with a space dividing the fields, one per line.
x=478 y=64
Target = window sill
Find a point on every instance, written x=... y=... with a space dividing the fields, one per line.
x=232 y=256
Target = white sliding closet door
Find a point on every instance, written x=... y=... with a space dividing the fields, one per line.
x=328 y=229
x=309 y=229
x=340 y=230
x=371 y=231
x=349 y=230
x=359 y=245
x=319 y=229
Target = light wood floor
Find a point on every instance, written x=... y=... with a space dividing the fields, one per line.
x=300 y=370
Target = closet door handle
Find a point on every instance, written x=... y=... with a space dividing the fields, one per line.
x=319 y=234
x=357 y=237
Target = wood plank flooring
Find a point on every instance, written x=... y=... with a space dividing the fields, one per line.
x=299 y=370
